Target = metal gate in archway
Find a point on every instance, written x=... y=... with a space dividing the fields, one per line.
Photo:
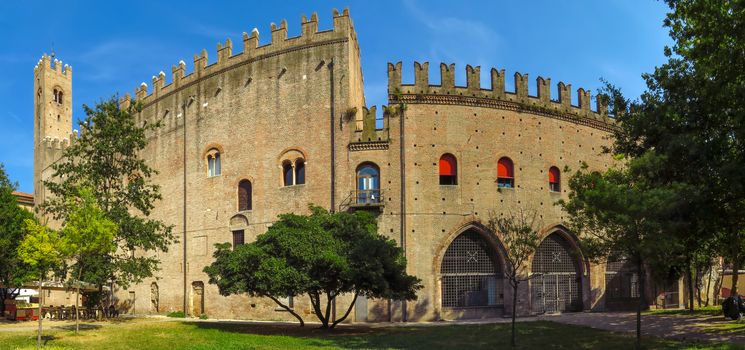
x=555 y=286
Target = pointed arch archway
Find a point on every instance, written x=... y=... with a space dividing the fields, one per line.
x=559 y=272
x=469 y=266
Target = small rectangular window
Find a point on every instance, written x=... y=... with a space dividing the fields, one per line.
x=287 y=301
x=238 y=238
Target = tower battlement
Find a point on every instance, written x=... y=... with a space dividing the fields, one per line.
x=341 y=31
x=421 y=91
x=48 y=63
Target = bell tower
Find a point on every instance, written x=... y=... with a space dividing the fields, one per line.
x=52 y=118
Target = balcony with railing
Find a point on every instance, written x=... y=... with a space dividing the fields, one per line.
x=363 y=199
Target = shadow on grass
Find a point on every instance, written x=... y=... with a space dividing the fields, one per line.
x=531 y=335
x=71 y=327
x=702 y=311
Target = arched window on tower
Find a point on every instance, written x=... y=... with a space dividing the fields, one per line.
x=213 y=162
x=244 y=195
x=505 y=173
x=368 y=184
x=287 y=176
x=554 y=179
x=299 y=171
x=448 y=170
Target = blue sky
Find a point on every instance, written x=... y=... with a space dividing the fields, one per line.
x=114 y=46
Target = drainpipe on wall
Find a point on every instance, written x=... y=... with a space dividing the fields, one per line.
x=183 y=109
x=403 y=195
x=333 y=157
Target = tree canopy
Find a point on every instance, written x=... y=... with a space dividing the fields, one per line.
x=106 y=158
x=321 y=255
x=13 y=271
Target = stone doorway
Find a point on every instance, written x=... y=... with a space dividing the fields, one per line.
x=197 y=298
x=154 y=297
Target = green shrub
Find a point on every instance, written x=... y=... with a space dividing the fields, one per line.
x=177 y=314
x=203 y=317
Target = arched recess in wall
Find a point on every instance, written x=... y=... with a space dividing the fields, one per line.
x=470 y=269
x=245 y=195
x=557 y=266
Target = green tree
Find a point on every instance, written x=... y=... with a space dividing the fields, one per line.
x=693 y=115
x=88 y=235
x=107 y=159
x=13 y=271
x=322 y=255
x=519 y=236
x=618 y=214
x=42 y=249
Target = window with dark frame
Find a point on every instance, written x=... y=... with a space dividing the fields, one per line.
x=300 y=172
x=238 y=238
x=448 y=170
x=287 y=176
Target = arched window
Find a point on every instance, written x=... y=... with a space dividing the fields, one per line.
x=448 y=170
x=213 y=162
x=471 y=274
x=299 y=171
x=287 y=176
x=368 y=184
x=244 y=195
x=554 y=179
x=505 y=173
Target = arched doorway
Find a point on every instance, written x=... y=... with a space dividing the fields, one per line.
x=471 y=274
x=555 y=286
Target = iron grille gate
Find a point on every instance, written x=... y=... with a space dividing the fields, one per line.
x=555 y=284
x=471 y=276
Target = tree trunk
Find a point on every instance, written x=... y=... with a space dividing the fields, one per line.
x=708 y=287
x=735 y=276
x=640 y=304
x=327 y=316
x=349 y=309
x=288 y=309
x=690 y=288
x=315 y=300
x=514 y=312
x=41 y=293
x=77 y=300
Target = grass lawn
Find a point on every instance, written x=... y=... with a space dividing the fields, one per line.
x=149 y=334
x=713 y=310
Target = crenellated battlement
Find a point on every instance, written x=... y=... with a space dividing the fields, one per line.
x=342 y=31
x=421 y=91
x=47 y=63
x=56 y=143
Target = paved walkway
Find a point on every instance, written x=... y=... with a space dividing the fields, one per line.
x=679 y=327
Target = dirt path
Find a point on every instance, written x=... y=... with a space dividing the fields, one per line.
x=679 y=327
